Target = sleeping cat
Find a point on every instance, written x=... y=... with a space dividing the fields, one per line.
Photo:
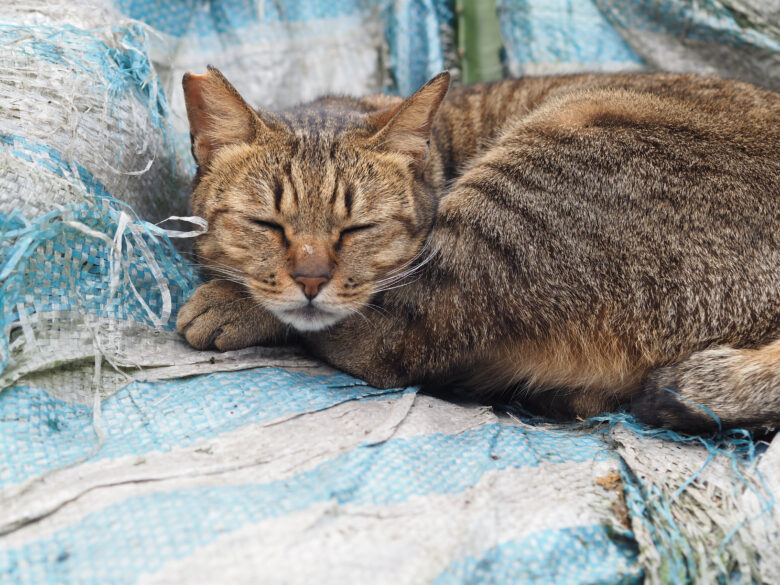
x=582 y=243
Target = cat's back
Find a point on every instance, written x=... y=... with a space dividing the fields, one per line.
x=615 y=152
x=472 y=117
x=492 y=104
x=651 y=200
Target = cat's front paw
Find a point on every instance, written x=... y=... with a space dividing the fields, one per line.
x=223 y=315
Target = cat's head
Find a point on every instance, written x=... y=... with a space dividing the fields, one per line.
x=314 y=209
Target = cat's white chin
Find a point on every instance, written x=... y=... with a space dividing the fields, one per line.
x=308 y=318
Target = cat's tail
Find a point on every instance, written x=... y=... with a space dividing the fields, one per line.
x=721 y=387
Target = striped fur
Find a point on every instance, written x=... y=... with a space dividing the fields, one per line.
x=599 y=239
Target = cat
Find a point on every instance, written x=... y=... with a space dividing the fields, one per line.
x=579 y=243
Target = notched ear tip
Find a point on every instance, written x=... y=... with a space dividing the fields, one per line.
x=217 y=114
x=214 y=73
x=442 y=77
x=211 y=73
x=189 y=78
x=440 y=83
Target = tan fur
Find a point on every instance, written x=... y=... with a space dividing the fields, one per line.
x=581 y=110
x=603 y=374
x=576 y=362
x=581 y=242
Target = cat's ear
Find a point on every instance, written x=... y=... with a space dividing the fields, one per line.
x=218 y=115
x=406 y=128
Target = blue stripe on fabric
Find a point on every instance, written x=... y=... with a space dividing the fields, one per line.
x=414 y=31
x=139 y=535
x=175 y=17
x=39 y=433
x=34 y=272
x=561 y=31
x=589 y=555
x=33 y=267
x=710 y=22
x=53 y=160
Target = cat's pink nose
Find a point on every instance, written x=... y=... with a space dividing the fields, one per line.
x=311 y=285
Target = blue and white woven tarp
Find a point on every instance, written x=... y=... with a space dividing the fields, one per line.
x=282 y=53
x=273 y=476
x=127 y=457
x=735 y=38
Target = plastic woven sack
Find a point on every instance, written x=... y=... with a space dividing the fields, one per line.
x=280 y=476
x=279 y=54
x=731 y=38
x=69 y=94
x=550 y=37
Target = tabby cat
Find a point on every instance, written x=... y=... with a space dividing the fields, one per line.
x=582 y=243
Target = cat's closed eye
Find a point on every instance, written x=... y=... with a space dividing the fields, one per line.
x=353 y=230
x=271 y=226
x=267 y=224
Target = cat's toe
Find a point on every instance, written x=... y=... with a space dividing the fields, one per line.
x=205 y=311
x=233 y=336
x=187 y=314
x=202 y=331
x=663 y=402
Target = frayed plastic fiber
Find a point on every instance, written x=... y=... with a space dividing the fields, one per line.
x=687 y=505
x=94 y=97
x=688 y=498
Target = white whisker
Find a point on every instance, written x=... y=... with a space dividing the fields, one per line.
x=393 y=282
x=358 y=312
